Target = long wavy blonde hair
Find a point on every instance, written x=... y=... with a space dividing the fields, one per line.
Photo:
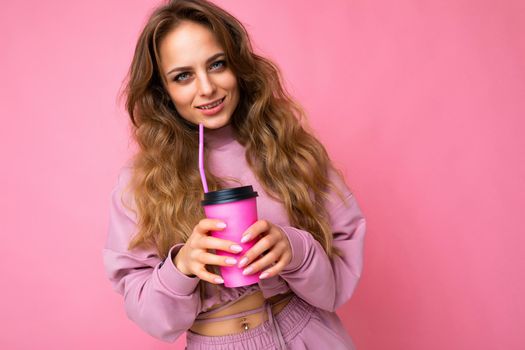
x=289 y=162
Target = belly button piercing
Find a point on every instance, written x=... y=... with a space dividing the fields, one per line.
x=245 y=324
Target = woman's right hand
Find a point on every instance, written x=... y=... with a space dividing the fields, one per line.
x=194 y=255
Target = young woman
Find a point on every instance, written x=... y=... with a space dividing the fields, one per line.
x=194 y=64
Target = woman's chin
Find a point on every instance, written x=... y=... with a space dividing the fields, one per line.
x=215 y=123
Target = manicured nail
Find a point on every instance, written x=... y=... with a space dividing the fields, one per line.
x=245 y=238
x=231 y=261
x=219 y=280
x=247 y=270
x=221 y=225
x=243 y=262
x=264 y=275
x=236 y=248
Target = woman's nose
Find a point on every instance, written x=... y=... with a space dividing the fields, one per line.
x=206 y=85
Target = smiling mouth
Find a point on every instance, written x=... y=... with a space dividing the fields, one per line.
x=212 y=105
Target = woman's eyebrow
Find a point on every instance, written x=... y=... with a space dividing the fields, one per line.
x=188 y=68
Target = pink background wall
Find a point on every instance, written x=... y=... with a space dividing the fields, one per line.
x=420 y=102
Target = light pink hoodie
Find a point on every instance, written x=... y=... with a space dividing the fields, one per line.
x=164 y=302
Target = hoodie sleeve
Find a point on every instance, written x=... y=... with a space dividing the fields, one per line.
x=159 y=298
x=323 y=282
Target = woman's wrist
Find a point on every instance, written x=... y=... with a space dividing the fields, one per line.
x=177 y=261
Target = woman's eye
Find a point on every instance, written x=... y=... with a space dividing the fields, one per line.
x=185 y=75
x=180 y=77
x=220 y=64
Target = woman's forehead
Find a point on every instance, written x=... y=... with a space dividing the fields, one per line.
x=188 y=44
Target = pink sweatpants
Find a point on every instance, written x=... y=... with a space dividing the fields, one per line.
x=298 y=326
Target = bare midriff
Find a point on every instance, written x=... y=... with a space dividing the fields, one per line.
x=239 y=324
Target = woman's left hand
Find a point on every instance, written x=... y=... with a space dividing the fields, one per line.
x=274 y=244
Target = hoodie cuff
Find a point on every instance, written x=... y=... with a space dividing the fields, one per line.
x=173 y=278
x=299 y=243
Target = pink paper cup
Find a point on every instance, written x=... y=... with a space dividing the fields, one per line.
x=237 y=207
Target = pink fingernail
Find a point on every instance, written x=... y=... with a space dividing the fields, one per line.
x=243 y=262
x=246 y=238
x=231 y=261
x=264 y=275
x=219 y=280
x=236 y=248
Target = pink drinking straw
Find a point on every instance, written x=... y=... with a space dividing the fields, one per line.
x=201 y=162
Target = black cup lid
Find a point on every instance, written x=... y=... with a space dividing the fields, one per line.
x=229 y=195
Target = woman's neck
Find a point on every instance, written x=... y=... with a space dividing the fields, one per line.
x=218 y=138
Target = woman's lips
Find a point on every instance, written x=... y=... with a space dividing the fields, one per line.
x=212 y=102
x=214 y=110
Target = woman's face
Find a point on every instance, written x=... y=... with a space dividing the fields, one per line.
x=197 y=74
